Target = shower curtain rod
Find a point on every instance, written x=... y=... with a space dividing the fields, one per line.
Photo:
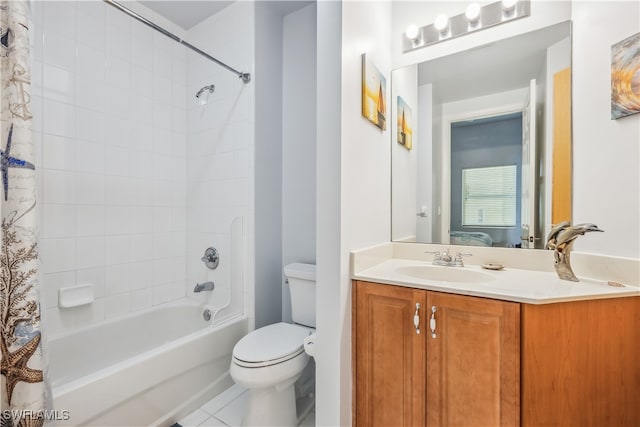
x=246 y=77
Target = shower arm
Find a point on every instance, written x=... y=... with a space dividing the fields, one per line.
x=246 y=77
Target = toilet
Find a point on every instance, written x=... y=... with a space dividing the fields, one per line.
x=269 y=360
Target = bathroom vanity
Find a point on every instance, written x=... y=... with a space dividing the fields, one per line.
x=477 y=351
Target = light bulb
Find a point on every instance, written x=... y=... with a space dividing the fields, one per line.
x=412 y=32
x=473 y=12
x=441 y=23
x=508 y=5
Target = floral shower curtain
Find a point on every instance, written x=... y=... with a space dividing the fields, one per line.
x=22 y=389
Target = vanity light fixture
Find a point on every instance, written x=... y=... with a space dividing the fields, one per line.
x=475 y=18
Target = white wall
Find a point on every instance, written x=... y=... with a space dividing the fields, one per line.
x=353 y=184
x=540 y=187
x=436 y=144
x=424 y=121
x=366 y=158
x=109 y=127
x=298 y=142
x=404 y=170
x=332 y=370
x=220 y=154
x=268 y=165
x=606 y=153
x=366 y=153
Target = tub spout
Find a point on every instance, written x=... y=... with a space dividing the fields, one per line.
x=560 y=240
x=206 y=286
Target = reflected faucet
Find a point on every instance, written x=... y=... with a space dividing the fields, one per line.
x=206 y=286
x=560 y=240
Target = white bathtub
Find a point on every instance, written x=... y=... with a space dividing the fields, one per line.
x=149 y=368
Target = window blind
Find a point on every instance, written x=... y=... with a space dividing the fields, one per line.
x=489 y=196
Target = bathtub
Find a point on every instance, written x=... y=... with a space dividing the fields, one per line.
x=148 y=368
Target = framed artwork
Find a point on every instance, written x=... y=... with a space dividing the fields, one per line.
x=405 y=130
x=374 y=88
x=625 y=77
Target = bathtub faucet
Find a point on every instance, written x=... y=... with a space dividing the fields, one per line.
x=561 y=240
x=206 y=286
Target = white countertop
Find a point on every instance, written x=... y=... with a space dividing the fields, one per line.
x=509 y=284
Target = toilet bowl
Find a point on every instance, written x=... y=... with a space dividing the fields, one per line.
x=269 y=360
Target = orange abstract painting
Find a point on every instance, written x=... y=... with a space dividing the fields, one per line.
x=625 y=77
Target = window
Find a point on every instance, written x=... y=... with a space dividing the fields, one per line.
x=489 y=196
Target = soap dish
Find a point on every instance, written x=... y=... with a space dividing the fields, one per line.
x=75 y=296
x=615 y=284
x=491 y=266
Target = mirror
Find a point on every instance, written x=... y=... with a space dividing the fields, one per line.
x=477 y=137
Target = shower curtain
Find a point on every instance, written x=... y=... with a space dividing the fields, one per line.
x=22 y=389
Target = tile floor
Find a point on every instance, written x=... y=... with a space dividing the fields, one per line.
x=226 y=409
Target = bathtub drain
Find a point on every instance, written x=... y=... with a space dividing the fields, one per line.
x=206 y=315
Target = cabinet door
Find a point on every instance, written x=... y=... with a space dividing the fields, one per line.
x=580 y=363
x=473 y=362
x=388 y=355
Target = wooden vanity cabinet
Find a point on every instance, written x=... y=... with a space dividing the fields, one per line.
x=465 y=374
x=493 y=363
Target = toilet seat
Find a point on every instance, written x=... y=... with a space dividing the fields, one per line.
x=270 y=345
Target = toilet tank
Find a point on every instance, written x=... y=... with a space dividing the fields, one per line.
x=302 y=286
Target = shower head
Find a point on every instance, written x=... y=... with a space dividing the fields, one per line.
x=203 y=94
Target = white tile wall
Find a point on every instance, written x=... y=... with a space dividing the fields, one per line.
x=110 y=99
x=219 y=147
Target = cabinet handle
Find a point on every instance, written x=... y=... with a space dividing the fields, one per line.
x=416 y=319
x=432 y=321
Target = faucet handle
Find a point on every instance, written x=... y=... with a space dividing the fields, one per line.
x=457 y=262
x=436 y=253
x=446 y=255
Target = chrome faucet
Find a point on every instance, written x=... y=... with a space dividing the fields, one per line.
x=206 y=286
x=560 y=240
x=444 y=258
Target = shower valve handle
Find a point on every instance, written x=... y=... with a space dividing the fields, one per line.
x=211 y=258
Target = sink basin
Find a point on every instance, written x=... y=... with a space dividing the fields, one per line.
x=445 y=274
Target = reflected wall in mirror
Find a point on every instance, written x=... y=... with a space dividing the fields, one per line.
x=491 y=128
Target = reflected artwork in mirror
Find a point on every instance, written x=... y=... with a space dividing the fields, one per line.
x=491 y=133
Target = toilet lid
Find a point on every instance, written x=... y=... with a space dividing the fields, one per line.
x=271 y=343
